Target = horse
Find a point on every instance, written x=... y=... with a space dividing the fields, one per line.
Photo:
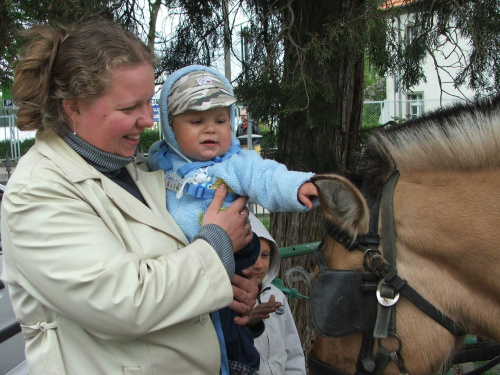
x=424 y=208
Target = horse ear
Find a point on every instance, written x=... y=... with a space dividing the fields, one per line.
x=342 y=202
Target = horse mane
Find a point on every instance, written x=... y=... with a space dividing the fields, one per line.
x=462 y=136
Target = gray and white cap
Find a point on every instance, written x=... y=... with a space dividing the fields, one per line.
x=198 y=91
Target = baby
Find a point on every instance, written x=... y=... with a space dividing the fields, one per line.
x=199 y=152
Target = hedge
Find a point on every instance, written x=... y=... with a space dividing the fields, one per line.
x=147 y=139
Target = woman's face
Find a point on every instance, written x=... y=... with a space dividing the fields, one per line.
x=114 y=122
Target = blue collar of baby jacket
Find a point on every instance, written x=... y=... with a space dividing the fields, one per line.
x=164 y=160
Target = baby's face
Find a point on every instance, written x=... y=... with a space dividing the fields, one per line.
x=203 y=135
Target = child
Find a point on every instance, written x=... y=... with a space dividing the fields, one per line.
x=200 y=152
x=279 y=346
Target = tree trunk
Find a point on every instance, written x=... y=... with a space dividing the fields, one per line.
x=154 y=10
x=322 y=135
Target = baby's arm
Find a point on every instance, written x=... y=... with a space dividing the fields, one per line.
x=307 y=192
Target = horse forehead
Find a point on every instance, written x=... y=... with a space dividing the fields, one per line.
x=453 y=213
x=450 y=200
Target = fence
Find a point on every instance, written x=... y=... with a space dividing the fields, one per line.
x=259 y=211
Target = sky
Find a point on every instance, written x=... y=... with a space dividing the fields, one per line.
x=168 y=23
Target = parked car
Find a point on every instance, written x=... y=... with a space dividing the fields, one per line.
x=12 y=359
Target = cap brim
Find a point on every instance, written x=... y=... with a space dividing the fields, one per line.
x=220 y=100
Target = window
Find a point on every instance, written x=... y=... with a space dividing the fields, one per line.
x=415 y=105
x=412 y=33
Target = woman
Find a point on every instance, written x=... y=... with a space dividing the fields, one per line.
x=102 y=279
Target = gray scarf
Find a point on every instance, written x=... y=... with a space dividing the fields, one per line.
x=103 y=161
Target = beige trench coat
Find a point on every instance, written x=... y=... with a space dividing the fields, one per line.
x=101 y=283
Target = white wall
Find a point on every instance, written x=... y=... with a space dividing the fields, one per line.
x=434 y=93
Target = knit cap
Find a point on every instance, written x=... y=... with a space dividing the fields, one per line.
x=198 y=91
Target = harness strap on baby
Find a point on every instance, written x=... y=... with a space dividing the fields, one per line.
x=197 y=190
x=188 y=167
x=204 y=192
x=164 y=159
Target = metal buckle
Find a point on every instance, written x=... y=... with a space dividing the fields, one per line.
x=383 y=299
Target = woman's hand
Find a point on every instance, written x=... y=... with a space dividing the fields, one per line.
x=233 y=219
x=245 y=291
x=263 y=311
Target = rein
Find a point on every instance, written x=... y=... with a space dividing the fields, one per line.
x=376 y=292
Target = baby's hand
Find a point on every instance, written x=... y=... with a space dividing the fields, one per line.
x=307 y=192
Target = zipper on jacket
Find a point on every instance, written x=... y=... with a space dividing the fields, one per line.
x=134 y=162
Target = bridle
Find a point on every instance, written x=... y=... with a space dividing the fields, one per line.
x=373 y=299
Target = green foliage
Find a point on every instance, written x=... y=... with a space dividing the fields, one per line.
x=370 y=76
x=336 y=36
x=17 y=15
x=24 y=146
x=371 y=115
x=262 y=92
x=148 y=137
x=298 y=65
x=198 y=34
x=268 y=144
x=375 y=91
x=266 y=222
x=352 y=29
x=435 y=23
x=268 y=139
x=400 y=120
x=4 y=149
x=380 y=36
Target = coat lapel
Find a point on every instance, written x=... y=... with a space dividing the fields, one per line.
x=150 y=184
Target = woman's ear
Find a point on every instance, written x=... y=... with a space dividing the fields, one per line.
x=72 y=109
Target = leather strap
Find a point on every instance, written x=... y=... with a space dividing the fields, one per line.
x=316 y=366
x=386 y=315
x=477 y=351
x=378 y=265
x=482 y=369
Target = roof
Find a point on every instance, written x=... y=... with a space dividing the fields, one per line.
x=396 y=3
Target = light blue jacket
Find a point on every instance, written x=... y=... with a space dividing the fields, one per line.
x=266 y=182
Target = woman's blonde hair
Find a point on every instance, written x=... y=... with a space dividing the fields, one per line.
x=74 y=62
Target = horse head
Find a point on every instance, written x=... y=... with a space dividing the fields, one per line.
x=425 y=218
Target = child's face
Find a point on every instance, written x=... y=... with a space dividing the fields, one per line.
x=203 y=135
x=262 y=264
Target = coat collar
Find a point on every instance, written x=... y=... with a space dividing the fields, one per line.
x=150 y=184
